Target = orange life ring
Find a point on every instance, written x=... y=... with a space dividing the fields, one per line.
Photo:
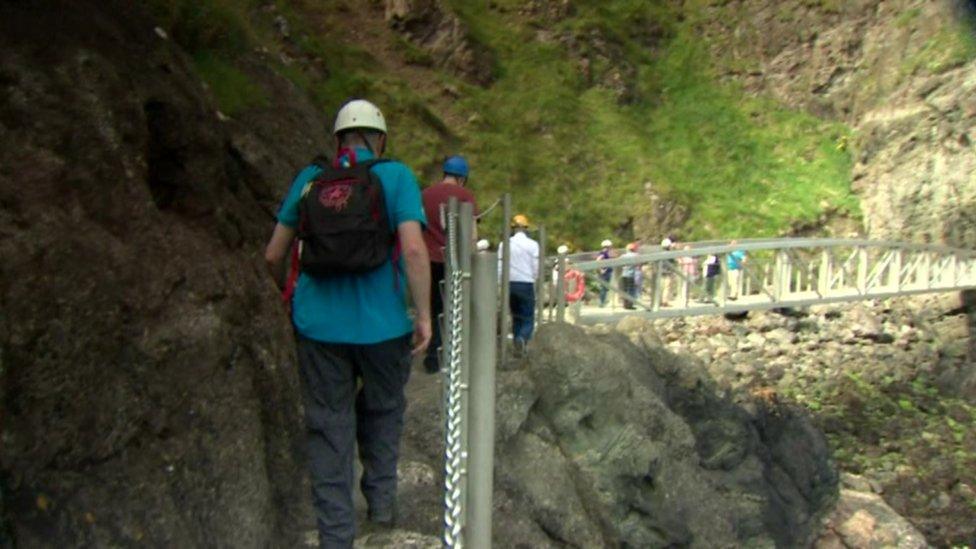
x=579 y=288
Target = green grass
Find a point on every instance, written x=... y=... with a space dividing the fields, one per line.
x=908 y=17
x=579 y=161
x=233 y=91
x=574 y=158
x=206 y=25
x=948 y=48
x=214 y=33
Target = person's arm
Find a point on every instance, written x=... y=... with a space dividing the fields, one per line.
x=276 y=251
x=418 y=277
x=284 y=232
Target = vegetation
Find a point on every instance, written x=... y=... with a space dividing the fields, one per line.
x=903 y=429
x=581 y=160
x=948 y=48
x=578 y=151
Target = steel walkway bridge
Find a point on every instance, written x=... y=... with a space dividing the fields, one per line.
x=775 y=274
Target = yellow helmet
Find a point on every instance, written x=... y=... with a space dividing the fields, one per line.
x=520 y=221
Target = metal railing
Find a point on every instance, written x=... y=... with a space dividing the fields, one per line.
x=774 y=273
x=470 y=345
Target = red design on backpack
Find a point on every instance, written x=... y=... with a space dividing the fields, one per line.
x=335 y=197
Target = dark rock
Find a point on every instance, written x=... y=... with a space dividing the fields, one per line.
x=432 y=26
x=149 y=386
x=620 y=437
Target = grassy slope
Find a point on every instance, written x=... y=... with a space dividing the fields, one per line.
x=575 y=159
x=745 y=166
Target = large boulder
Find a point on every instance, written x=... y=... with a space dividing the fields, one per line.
x=148 y=393
x=620 y=449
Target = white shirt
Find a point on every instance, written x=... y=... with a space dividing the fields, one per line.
x=524 y=263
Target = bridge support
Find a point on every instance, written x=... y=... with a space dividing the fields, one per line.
x=894 y=271
x=781 y=275
x=862 y=270
x=823 y=277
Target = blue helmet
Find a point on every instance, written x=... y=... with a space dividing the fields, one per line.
x=456 y=165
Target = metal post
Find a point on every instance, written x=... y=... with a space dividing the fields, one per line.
x=780 y=280
x=787 y=274
x=862 y=270
x=823 y=277
x=925 y=270
x=658 y=286
x=505 y=320
x=953 y=270
x=685 y=286
x=615 y=284
x=561 y=289
x=540 y=286
x=894 y=271
x=550 y=291
x=481 y=444
x=723 y=291
x=465 y=245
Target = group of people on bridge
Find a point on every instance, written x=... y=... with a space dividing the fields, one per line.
x=686 y=269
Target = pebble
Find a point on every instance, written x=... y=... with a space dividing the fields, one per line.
x=942 y=501
x=964 y=491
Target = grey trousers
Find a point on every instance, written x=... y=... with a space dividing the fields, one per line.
x=339 y=412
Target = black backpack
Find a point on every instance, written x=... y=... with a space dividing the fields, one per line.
x=343 y=226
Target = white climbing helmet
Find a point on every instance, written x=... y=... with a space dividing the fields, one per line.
x=606 y=244
x=359 y=113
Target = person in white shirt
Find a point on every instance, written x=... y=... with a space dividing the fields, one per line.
x=523 y=272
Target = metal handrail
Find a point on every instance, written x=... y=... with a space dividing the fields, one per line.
x=787 y=243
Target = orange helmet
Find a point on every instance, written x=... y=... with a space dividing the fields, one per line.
x=520 y=221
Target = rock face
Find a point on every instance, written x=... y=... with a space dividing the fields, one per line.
x=898 y=73
x=889 y=383
x=147 y=385
x=623 y=447
x=442 y=35
x=863 y=519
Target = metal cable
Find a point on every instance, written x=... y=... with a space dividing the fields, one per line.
x=453 y=449
x=490 y=208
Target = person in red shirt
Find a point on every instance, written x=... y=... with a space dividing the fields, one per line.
x=451 y=185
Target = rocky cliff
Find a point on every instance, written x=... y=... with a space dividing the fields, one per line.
x=900 y=73
x=147 y=388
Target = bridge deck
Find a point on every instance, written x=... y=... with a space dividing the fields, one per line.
x=591 y=314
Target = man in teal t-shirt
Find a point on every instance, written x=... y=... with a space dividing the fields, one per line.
x=356 y=328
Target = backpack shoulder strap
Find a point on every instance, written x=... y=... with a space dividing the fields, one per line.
x=374 y=161
x=321 y=161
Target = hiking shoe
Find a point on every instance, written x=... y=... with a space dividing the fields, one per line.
x=385 y=516
x=519 y=348
x=432 y=365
